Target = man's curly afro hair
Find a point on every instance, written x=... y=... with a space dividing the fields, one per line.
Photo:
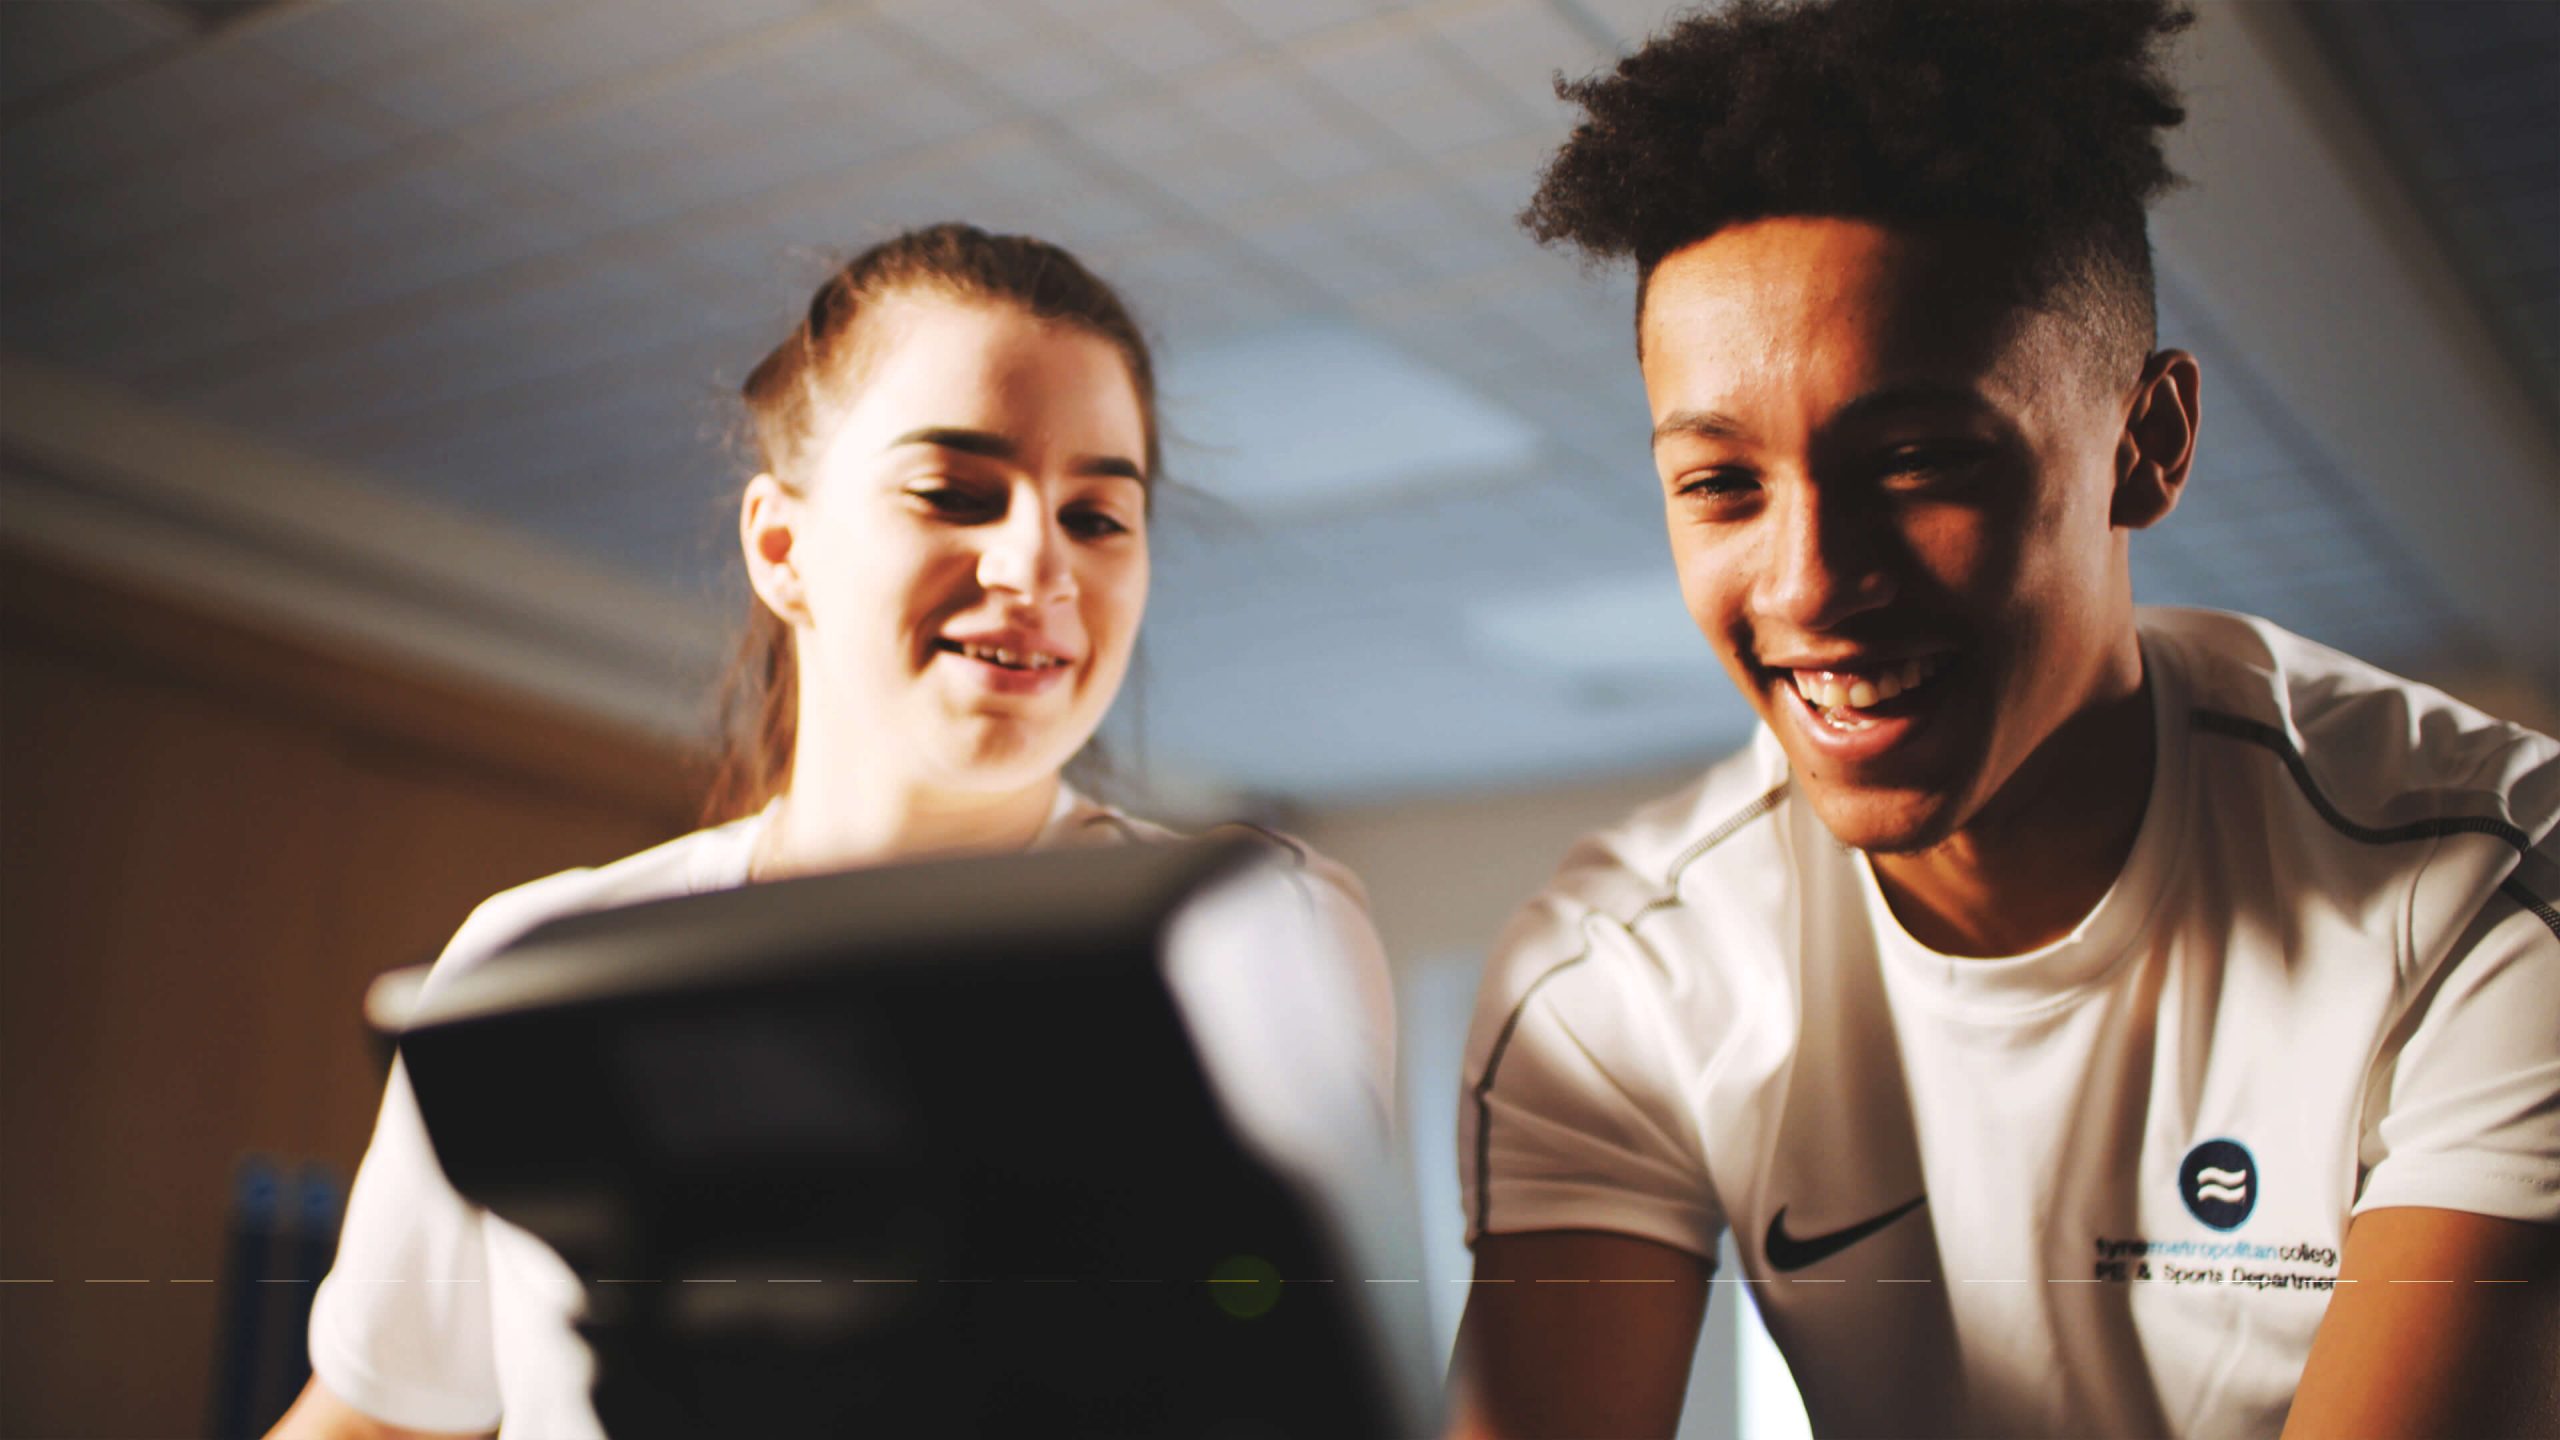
x=2039 y=118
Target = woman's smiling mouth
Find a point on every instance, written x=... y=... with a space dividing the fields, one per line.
x=1002 y=656
x=1007 y=664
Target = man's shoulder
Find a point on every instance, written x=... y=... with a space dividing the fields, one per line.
x=1671 y=848
x=2372 y=756
x=1657 y=940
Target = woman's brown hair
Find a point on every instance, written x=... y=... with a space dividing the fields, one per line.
x=792 y=394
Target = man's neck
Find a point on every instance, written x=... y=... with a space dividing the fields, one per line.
x=2041 y=855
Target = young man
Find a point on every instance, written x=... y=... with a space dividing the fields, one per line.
x=2086 y=1020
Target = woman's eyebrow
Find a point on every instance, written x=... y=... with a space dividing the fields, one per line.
x=993 y=446
x=1109 y=465
x=967 y=442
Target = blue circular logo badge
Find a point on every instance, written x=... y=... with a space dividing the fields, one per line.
x=2219 y=1182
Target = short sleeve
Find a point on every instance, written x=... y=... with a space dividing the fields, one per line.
x=1312 y=918
x=2471 y=1119
x=400 y=1329
x=1573 y=1115
x=1348 y=939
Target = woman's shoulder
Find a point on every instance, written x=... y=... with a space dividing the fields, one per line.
x=708 y=859
x=1086 y=821
x=1311 y=907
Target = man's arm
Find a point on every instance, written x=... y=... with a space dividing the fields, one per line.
x=2450 y=1328
x=1579 y=1333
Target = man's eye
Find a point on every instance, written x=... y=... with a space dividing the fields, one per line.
x=1925 y=461
x=1718 y=484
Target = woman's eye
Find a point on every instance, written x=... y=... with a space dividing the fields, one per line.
x=953 y=501
x=1092 y=524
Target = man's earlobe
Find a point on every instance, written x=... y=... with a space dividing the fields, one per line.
x=2158 y=445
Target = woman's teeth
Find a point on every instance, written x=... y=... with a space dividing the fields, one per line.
x=1859 y=689
x=1011 y=659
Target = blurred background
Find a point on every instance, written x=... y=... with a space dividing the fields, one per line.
x=367 y=496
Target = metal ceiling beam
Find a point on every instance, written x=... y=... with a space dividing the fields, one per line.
x=192 y=509
x=2301 y=244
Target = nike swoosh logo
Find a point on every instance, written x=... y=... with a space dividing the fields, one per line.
x=1787 y=1252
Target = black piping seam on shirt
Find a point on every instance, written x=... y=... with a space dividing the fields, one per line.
x=1669 y=897
x=1296 y=851
x=2256 y=732
x=1127 y=831
x=2534 y=905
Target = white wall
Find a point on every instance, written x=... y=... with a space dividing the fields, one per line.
x=1445 y=873
x=1443 y=877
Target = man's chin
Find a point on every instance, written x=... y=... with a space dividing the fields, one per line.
x=1883 y=822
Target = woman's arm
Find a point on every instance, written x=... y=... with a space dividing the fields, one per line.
x=319 y=1415
x=403 y=1324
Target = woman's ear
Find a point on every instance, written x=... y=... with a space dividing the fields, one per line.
x=2159 y=441
x=768 y=531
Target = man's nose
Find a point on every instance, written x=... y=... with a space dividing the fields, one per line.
x=1825 y=562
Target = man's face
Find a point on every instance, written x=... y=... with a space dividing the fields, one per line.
x=1888 y=492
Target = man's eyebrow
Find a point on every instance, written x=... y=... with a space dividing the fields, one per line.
x=993 y=446
x=1919 y=395
x=1711 y=424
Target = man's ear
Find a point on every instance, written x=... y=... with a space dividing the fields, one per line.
x=2159 y=441
x=769 y=517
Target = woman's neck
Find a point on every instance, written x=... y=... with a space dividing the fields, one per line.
x=820 y=824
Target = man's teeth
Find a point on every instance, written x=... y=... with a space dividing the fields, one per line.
x=1012 y=659
x=1859 y=689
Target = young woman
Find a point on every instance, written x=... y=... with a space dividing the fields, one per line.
x=948 y=540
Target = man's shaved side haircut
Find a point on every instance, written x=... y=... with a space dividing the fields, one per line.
x=2035 y=122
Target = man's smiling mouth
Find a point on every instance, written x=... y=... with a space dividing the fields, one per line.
x=1854 y=695
x=1864 y=688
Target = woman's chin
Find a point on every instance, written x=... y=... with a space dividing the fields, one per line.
x=993 y=754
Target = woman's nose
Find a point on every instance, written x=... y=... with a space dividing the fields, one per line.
x=1025 y=554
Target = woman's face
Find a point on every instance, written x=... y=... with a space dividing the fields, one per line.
x=965 y=565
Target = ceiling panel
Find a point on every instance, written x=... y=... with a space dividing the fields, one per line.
x=47 y=48
x=2466 y=98
x=347 y=43
x=514 y=257
x=1518 y=47
x=201 y=95
x=1154 y=38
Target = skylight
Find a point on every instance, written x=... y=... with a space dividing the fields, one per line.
x=1315 y=417
x=1596 y=630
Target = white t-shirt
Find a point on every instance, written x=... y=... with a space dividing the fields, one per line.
x=2096 y=1189
x=441 y=1316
